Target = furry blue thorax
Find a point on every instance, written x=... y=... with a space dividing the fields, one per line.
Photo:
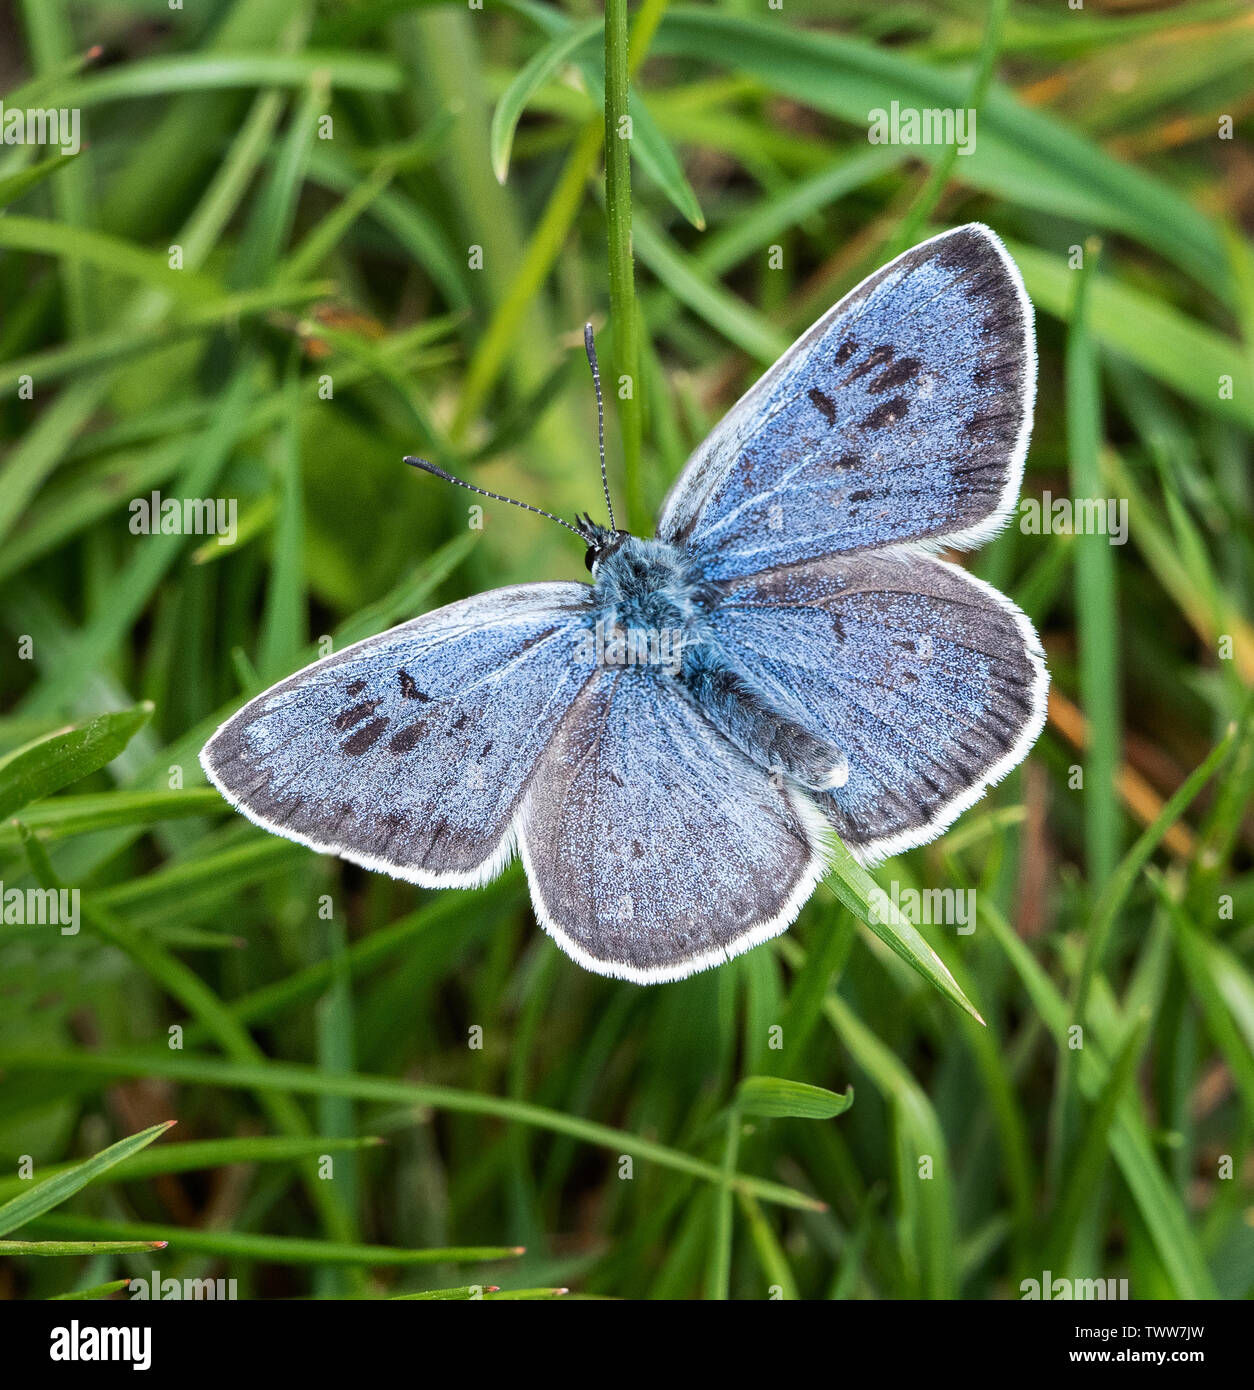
x=653 y=587
x=648 y=584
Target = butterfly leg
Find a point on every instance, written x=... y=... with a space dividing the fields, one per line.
x=745 y=716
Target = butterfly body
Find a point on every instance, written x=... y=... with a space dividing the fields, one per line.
x=744 y=713
x=650 y=598
x=670 y=747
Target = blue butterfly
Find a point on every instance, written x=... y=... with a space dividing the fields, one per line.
x=670 y=747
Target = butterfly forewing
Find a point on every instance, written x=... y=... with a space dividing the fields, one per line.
x=902 y=415
x=410 y=752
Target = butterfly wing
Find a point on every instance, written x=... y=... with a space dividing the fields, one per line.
x=653 y=847
x=902 y=415
x=410 y=752
x=930 y=682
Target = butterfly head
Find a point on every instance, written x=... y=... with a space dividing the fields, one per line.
x=603 y=541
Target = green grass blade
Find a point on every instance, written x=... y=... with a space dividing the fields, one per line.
x=16 y=186
x=530 y=78
x=119 y=257
x=626 y=386
x=98 y=1291
x=850 y=883
x=1096 y=593
x=287 y=1077
x=41 y=1198
x=58 y=760
x=245 y=1245
x=191 y=72
x=195 y=1155
x=68 y=816
x=774 y=1095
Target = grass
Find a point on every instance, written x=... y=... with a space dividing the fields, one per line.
x=303 y=240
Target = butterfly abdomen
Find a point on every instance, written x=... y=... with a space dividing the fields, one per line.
x=745 y=716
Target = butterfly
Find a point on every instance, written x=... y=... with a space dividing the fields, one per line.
x=670 y=748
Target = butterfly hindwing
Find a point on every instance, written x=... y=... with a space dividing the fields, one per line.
x=653 y=847
x=931 y=683
x=409 y=752
x=902 y=415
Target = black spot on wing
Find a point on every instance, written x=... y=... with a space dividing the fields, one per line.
x=356 y=713
x=409 y=687
x=356 y=687
x=904 y=370
x=844 y=352
x=872 y=362
x=365 y=738
x=405 y=738
x=823 y=404
x=887 y=413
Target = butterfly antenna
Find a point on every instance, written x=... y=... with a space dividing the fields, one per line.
x=590 y=349
x=496 y=496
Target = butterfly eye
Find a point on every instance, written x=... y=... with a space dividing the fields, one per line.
x=589 y=557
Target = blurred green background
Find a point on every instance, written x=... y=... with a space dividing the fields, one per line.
x=320 y=175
